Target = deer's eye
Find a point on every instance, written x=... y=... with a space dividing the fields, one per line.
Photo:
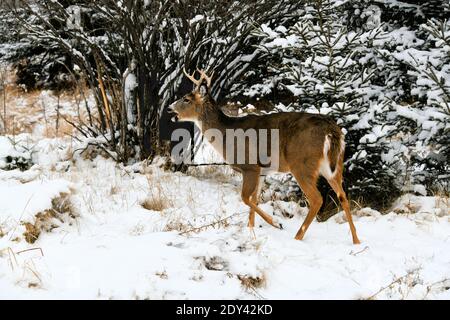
x=186 y=100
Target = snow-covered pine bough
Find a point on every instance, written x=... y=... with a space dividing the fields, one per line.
x=306 y=145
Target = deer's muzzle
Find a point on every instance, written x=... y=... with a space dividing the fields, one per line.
x=172 y=113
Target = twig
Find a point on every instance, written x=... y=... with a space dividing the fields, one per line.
x=397 y=280
x=430 y=286
x=22 y=251
x=57 y=112
x=13 y=255
x=23 y=211
x=208 y=164
x=34 y=272
x=218 y=222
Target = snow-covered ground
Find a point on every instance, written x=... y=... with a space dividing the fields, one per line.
x=192 y=241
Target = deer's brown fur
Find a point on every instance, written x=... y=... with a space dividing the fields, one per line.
x=310 y=145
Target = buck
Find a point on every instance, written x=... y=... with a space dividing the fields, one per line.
x=310 y=145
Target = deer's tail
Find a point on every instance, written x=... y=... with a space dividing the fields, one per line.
x=333 y=153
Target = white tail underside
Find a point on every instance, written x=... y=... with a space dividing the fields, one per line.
x=325 y=168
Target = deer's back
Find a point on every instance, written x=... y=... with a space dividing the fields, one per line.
x=301 y=135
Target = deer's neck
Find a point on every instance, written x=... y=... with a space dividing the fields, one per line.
x=213 y=118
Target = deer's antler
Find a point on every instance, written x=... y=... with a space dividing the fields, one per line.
x=191 y=77
x=203 y=75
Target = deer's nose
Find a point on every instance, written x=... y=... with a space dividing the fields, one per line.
x=172 y=113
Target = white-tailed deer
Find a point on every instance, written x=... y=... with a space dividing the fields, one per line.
x=310 y=145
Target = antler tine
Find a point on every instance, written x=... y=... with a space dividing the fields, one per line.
x=191 y=77
x=202 y=75
x=205 y=76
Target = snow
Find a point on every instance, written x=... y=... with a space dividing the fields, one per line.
x=8 y=150
x=74 y=19
x=290 y=40
x=118 y=249
x=129 y=87
x=196 y=19
x=22 y=201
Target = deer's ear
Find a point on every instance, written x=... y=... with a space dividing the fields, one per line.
x=203 y=89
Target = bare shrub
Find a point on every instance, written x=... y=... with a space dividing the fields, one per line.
x=3 y=84
x=135 y=71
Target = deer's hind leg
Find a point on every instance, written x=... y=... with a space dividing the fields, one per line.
x=254 y=199
x=336 y=184
x=249 y=189
x=307 y=181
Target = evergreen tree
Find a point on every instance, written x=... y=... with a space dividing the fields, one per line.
x=379 y=69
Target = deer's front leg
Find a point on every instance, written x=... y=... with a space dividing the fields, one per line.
x=249 y=185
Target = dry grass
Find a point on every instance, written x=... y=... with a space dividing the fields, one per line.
x=215 y=263
x=162 y=274
x=412 y=206
x=178 y=224
x=32 y=231
x=155 y=203
x=92 y=151
x=220 y=173
x=408 y=208
x=47 y=220
x=25 y=110
x=216 y=224
x=157 y=199
x=402 y=285
x=252 y=284
x=443 y=202
x=115 y=189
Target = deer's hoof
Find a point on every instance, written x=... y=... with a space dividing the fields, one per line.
x=277 y=224
x=299 y=236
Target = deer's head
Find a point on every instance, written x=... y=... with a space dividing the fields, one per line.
x=191 y=106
